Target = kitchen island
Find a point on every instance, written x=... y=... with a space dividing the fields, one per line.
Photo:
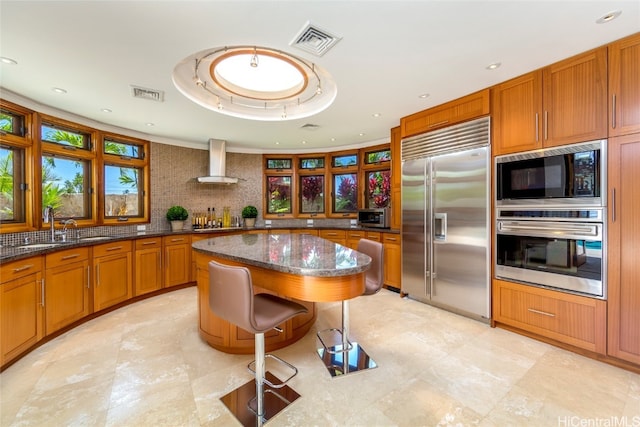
x=301 y=267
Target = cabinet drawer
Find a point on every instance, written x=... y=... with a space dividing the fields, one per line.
x=374 y=235
x=112 y=248
x=355 y=234
x=22 y=268
x=67 y=256
x=572 y=319
x=177 y=240
x=391 y=238
x=333 y=234
x=152 y=242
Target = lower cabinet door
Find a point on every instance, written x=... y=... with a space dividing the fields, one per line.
x=66 y=295
x=113 y=280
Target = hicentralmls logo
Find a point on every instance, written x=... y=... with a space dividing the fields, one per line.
x=576 y=421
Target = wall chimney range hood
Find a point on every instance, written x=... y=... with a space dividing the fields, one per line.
x=217 y=164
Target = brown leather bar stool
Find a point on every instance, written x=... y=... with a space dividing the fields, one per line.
x=347 y=357
x=231 y=298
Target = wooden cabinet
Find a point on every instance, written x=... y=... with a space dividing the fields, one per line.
x=177 y=260
x=112 y=266
x=396 y=179
x=336 y=236
x=21 y=307
x=148 y=265
x=571 y=319
x=624 y=86
x=563 y=103
x=623 y=275
x=67 y=287
x=392 y=260
x=353 y=237
x=457 y=111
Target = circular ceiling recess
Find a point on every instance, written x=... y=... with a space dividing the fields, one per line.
x=256 y=83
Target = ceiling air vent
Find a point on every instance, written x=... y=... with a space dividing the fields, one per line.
x=309 y=126
x=144 y=93
x=314 y=40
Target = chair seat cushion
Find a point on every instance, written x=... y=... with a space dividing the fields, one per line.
x=270 y=310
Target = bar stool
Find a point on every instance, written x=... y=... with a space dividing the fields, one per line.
x=347 y=357
x=231 y=298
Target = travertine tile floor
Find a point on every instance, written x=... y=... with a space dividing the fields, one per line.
x=145 y=365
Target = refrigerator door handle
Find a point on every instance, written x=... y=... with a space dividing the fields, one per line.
x=440 y=227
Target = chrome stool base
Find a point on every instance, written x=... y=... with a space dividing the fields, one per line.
x=242 y=401
x=340 y=363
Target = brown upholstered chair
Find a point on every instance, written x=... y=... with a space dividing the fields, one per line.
x=336 y=357
x=231 y=297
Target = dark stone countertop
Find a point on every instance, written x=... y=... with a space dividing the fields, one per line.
x=299 y=254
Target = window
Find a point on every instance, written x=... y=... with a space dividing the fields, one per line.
x=276 y=163
x=376 y=167
x=126 y=177
x=312 y=194
x=62 y=165
x=279 y=195
x=12 y=194
x=345 y=193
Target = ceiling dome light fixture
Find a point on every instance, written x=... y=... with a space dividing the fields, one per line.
x=608 y=17
x=254 y=82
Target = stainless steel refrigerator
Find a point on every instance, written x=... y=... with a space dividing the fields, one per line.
x=445 y=218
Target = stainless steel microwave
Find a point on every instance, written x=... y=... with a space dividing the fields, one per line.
x=377 y=218
x=565 y=175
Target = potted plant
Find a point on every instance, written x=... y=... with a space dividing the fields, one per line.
x=249 y=213
x=176 y=216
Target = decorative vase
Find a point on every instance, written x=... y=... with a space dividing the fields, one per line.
x=249 y=222
x=177 y=225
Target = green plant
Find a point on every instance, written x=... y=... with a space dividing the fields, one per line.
x=177 y=213
x=249 y=212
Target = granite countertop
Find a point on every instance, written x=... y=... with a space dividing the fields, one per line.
x=17 y=252
x=298 y=254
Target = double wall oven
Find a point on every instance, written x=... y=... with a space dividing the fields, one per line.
x=550 y=218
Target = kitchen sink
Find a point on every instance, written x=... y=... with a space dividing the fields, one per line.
x=38 y=245
x=94 y=238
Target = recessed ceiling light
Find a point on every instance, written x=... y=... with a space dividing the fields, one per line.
x=361 y=134
x=494 y=66
x=333 y=139
x=58 y=90
x=150 y=124
x=106 y=110
x=376 y=114
x=277 y=143
x=423 y=96
x=6 y=60
x=304 y=142
x=608 y=17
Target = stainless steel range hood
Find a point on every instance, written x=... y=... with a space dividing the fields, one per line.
x=217 y=164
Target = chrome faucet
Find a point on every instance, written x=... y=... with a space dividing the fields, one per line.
x=48 y=217
x=68 y=222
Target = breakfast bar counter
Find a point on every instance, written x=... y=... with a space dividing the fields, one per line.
x=301 y=267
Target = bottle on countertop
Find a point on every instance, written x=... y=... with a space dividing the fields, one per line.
x=209 y=218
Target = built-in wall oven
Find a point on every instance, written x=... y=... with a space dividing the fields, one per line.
x=556 y=248
x=550 y=218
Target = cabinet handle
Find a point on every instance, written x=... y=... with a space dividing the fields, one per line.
x=613 y=112
x=613 y=205
x=391 y=239
x=537 y=132
x=88 y=277
x=115 y=248
x=23 y=268
x=70 y=256
x=177 y=240
x=149 y=243
x=438 y=124
x=544 y=313
x=97 y=275
x=546 y=125
x=42 y=291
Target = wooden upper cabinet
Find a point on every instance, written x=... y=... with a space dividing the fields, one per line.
x=396 y=179
x=516 y=112
x=456 y=111
x=563 y=103
x=575 y=99
x=624 y=86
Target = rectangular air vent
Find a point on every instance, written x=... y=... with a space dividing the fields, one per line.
x=144 y=93
x=314 y=40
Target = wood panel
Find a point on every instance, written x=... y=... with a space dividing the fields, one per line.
x=67 y=288
x=572 y=319
x=392 y=260
x=575 y=99
x=623 y=248
x=624 y=86
x=148 y=265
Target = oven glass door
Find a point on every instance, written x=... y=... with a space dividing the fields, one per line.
x=569 y=264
